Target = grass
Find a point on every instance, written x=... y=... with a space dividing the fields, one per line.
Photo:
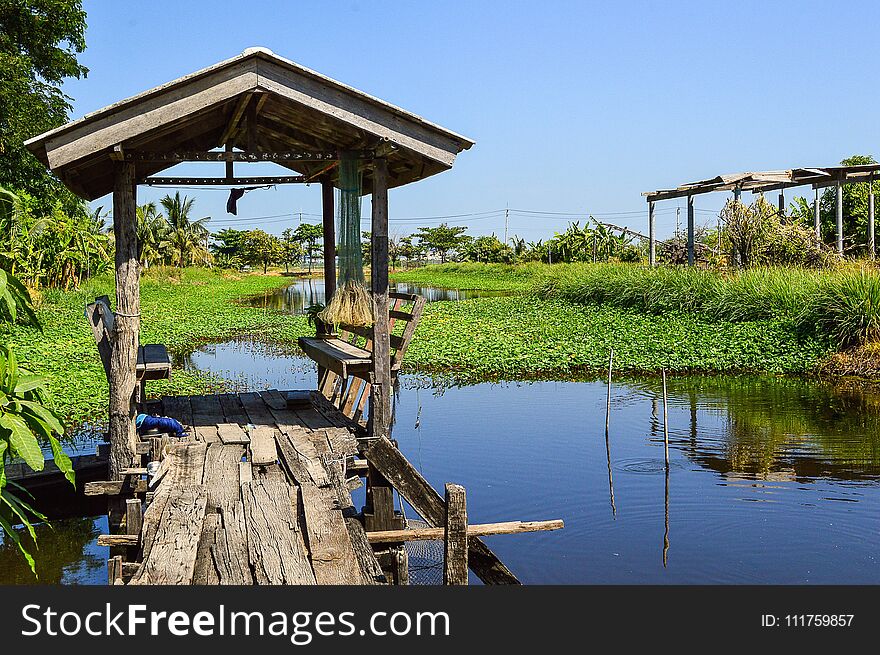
x=180 y=309
x=486 y=277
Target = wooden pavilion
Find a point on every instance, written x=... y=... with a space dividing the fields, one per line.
x=259 y=493
x=766 y=181
x=255 y=107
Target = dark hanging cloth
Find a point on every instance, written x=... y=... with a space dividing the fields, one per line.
x=234 y=195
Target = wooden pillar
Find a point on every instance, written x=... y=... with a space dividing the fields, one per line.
x=329 y=238
x=838 y=207
x=736 y=193
x=781 y=203
x=871 y=216
x=123 y=357
x=691 y=257
x=455 y=560
x=380 y=392
x=652 y=237
x=817 y=217
x=230 y=169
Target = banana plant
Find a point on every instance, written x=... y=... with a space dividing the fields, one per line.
x=26 y=421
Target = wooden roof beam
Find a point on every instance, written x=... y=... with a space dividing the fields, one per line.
x=234 y=120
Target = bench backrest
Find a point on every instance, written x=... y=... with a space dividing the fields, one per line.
x=102 y=322
x=350 y=395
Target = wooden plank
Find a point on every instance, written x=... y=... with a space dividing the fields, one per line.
x=255 y=407
x=245 y=473
x=229 y=552
x=172 y=557
x=476 y=530
x=292 y=460
x=273 y=399
x=455 y=538
x=276 y=551
x=330 y=550
x=262 y=447
x=114 y=487
x=391 y=463
x=232 y=433
x=222 y=474
x=134 y=517
x=112 y=540
x=179 y=407
x=205 y=572
x=371 y=570
x=233 y=410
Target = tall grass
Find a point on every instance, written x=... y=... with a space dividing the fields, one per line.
x=842 y=305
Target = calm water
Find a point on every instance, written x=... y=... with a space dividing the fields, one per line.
x=308 y=291
x=773 y=480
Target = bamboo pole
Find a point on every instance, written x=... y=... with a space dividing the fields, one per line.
x=607 y=435
x=665 y=422
x=476 y=530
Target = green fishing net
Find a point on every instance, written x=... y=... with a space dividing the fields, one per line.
x=351 y=304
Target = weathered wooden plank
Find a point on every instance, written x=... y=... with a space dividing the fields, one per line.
x=330 y=549
x=173 y=554
x=391 y=463
x=336 y=355
x=274 y=399
x=245 y=473
x=233 y=410
x=118 y=540
x=380 y=392
x=179 y=407
x=222 y=474
x=232 y=433
x=371 y=570
x=455 y=556
x=275 y=545
x=476 y=530
x=256 y=409
x=262 y=446
x=292 y=460
x=114 y=487
x=229 y=552
x=205 y=572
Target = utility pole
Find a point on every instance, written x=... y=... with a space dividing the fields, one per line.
x=506 y=218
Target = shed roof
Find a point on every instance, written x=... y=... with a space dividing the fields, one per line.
x=761 y=181
x=297 y=109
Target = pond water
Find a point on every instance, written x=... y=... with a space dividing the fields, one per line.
x=772 y=480
x=306 y=291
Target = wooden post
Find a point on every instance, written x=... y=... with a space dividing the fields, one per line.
x=781 y=203
x=455 y=560
x=817 y=217
x=329 y=238
x=652 y=239
x=230 y=171
x=736 y=193
x=123 y=357
x=380 y=392
x=691 y=257
x=838 y=206
x=608 y=399
x=871 y=217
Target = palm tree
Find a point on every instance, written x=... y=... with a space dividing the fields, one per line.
x=186 y=239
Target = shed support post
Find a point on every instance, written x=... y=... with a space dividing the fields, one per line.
x=817 y=217
x=652 y=239
x=690 y=244
x=329 y=238
x=123 y=356
x=736 y=194
x=781 y=203
x=380 y=391
x=871 y=217
x=838 y=207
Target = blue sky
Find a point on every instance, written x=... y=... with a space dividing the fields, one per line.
x=575 y=107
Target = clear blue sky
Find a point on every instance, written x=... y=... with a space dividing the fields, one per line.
x=575 y=106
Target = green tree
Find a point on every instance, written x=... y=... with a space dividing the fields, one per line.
x=292 y=248
x=229 y=247
x=308 y=234
x=39 y=44
x=487 y=249
x=262 y=248
x=442 y=239
x=152 y=231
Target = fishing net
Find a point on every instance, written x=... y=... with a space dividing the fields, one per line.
x=351 y=304
x=425 y=558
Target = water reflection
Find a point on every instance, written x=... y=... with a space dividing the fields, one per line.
x=308 y=291
x=67 y=554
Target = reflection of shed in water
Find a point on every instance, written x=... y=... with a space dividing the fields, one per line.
x=294 y=456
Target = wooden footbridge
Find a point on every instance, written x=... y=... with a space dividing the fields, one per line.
x=260 y=491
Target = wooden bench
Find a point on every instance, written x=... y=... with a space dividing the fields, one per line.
x=153 y=362
x=345 y=362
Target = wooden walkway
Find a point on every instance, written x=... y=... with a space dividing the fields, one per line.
x=256 y=495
